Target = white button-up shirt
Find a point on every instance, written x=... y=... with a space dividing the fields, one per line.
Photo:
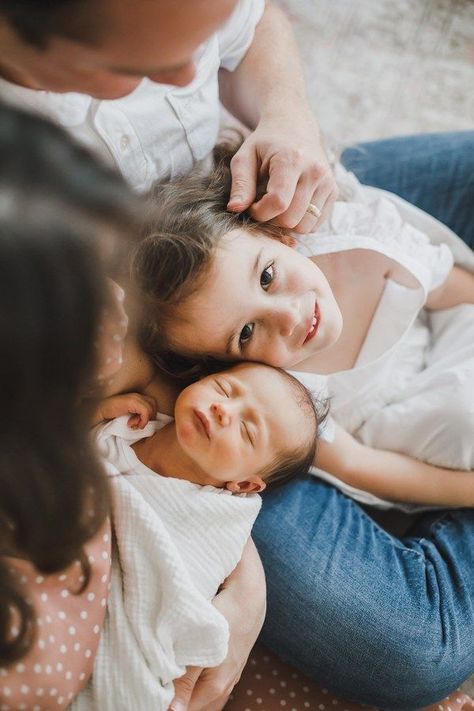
x=158 y=131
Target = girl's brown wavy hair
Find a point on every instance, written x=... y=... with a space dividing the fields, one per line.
x=186 y=220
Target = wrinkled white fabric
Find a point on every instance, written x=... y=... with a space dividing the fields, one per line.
x=174 y=543
x=411 y=389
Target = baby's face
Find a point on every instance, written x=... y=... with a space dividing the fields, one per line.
x=261 y=301
x=235 y=423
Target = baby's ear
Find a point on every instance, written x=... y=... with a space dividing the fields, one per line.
x=248 y=486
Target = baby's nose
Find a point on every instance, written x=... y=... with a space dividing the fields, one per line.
x=222 y=412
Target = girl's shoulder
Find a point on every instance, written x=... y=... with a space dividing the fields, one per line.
x=373 y=223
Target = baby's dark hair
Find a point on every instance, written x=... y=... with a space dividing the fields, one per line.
x=297 y=461
x=187 y=219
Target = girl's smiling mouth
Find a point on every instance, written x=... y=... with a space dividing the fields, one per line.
x=314 y=324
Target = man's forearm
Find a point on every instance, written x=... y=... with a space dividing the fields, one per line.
x=269 y=80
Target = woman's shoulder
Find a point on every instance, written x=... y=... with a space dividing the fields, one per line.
x=68 y=625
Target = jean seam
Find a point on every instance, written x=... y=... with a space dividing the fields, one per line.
x=400 y=546
x=443 y=521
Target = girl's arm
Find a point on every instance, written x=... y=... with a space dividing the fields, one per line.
x=394 y=476
x=457 y=289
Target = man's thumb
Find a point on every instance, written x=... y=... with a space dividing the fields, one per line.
x=243 y=190
x=183 y=689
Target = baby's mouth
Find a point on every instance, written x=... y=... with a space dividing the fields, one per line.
x=314 y=325
x=202 y=423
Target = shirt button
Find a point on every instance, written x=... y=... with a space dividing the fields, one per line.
x=124 y=142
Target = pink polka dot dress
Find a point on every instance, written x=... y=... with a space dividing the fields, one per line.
x=267 y=684
x=60 y=660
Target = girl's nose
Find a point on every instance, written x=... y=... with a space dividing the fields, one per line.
x=288 y=317
x=222 y=412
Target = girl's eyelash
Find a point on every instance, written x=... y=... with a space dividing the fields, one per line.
x=242 y=344
x=271 y=266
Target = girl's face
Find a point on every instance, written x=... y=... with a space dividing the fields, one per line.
x=260 y=301
x=231 y=428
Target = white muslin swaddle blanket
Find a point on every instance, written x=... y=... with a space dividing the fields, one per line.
x=174 y=543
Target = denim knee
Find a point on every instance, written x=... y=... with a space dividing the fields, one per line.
x=380 y=620
x=428 y=676
x=390 y=675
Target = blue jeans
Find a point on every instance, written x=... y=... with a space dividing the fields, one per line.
x=380 y=619
x=433 y=171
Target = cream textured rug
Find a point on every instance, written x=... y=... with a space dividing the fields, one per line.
x=379 y=68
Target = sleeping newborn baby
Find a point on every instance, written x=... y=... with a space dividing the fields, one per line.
x=238 y=429
x=184 y=502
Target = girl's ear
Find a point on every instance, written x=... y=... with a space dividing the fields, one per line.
x=254 y=485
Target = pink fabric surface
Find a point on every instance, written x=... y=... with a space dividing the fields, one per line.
x=61 y=658
x=267 y=684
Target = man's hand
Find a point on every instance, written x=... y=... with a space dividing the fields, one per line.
x=242 y=601
x=287 y=158
x=283 y=155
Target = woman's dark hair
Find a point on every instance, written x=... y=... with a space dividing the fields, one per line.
x=60 y=213
x=186 y=221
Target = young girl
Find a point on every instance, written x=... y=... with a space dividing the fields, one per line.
x=368 y=303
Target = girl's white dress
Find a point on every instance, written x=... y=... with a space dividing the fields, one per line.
x=412 y=387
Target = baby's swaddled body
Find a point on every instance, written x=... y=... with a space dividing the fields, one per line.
x=175 y=542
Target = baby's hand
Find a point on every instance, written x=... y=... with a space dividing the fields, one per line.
x=140 y=407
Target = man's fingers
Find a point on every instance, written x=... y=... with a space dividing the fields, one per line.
x=297 y=210
x=183 y=688
x=281 y=186
x=323 y=199
x=244 y=171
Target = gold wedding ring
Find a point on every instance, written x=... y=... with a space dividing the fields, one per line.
x=313 y=210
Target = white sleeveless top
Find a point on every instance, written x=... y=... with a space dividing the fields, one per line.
x=394 y=348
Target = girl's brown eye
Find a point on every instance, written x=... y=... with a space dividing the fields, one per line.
x=246 y=334
x=267 y=276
